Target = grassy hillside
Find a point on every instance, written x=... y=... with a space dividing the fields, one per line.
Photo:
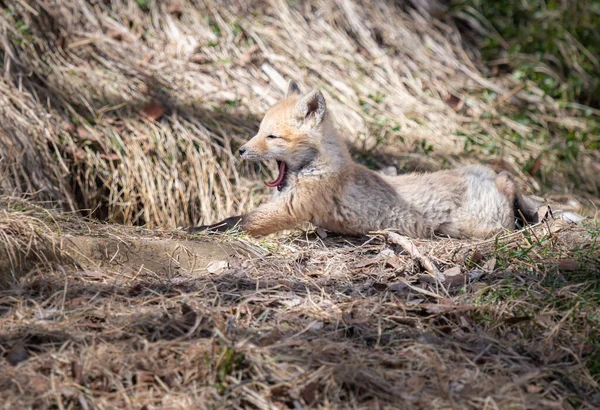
x=130 y=112
x=131 y=109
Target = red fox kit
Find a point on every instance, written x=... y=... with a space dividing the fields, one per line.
x=318 y=182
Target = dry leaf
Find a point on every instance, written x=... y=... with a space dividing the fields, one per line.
x=545 y=320
x=92 y=274
x=568 y=265
x=454 y=102
x=364 y=263
x=571 y=217
x=153 y=111
x=427 y=279
x=489 y=265
x=458 y=280
x=17 y=354
x=248 y=56
x=217 y=266
x=464 y=322
x=453 y=276
x=47 y=314
x=476 y=274
x=416 y=383
x=477 y=256
x=76 y=372
x=316 y=325
x=188 y=315
x=533 y=388
x=535 y=168
x=291 y=302
x=453 y=271
x=79 y=301
x=270 y=338
x=516 y=319
x=380 y=286
x=398 y=287
x=110 y=157
x=394 y=262
x=142 y=377
x=83 y=132
x=38 y=384
x=199 y=59
x=78 y=153
x=115 y=35
x=386 y=253
x=175 y=7
x=69 y=127
x=321 y=232
x=544 y=212
x=33 y=384
x=68 y=392
x=309 y=393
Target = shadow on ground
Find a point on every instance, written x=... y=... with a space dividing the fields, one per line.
x=306 y=327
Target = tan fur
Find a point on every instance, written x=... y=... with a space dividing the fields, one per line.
x=324 y=186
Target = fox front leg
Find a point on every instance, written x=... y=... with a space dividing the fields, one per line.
x=223 y=226
x=264 y=220
x=268 y=218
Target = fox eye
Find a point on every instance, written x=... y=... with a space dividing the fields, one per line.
x=272 y=137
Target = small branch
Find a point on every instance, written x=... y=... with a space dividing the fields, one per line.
x=409 y=247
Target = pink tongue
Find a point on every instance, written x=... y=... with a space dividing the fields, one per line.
x=279 y=179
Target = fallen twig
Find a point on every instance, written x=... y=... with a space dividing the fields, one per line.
x=409 y=247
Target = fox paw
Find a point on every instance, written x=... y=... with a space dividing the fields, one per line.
x=223 y=226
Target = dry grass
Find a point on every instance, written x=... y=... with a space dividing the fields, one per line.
x=301 y=322
x=403 y=87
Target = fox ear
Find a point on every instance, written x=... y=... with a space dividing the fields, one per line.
x=311 y=107
x=292 y=89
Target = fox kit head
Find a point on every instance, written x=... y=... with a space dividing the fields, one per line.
x=290 y=133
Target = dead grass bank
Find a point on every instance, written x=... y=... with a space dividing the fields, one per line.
x=131 y=108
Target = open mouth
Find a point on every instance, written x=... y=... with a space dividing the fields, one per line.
x=280 y=178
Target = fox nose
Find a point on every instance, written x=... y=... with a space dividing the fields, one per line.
x=242 y=150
